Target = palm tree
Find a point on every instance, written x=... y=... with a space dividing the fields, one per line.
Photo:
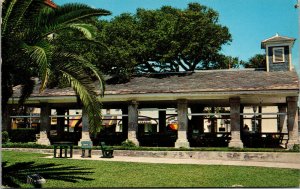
x=29 y=28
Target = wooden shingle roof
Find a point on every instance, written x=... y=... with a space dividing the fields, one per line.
x=209 y=81
x=194 y=82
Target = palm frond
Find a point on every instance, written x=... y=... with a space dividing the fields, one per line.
x=86 y=29
x=88 y=65
x=53 y=21
x=41 y=56
x=74 y=71
x=97 y=73
x=17 y=11
x=27 y=87
x=70 y=64
x=89 y=100
x=71 y=12
x=8 y=7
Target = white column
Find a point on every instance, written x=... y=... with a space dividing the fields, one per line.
x=292 y=114
x=235 y=123
x=282 y=120
x=85 y=135
x=182 y=111
x=133 y=122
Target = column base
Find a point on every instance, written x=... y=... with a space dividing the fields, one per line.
x=85 y=136
x=132 y=137
x=236 y=141
x=182 y=141
x=43 y=140
x=236 y=144
x=291 y=144
x=182 y=144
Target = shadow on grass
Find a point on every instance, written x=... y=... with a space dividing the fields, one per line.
x=16 y=174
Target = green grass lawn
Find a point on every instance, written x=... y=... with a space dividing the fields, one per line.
x=70 y=173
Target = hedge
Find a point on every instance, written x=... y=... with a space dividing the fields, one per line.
x=22 y=135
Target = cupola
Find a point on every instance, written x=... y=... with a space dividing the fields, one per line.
x=278 y=53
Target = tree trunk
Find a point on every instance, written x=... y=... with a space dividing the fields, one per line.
x=6 y=120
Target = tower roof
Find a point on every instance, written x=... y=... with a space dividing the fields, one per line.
x=277 y=39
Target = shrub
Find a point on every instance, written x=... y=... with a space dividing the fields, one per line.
x=25 y=145
x=23 y=135
x=128 y=143
x=5 y=137
x=296 y=148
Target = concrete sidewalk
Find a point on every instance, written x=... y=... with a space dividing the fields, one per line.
x=260 y=159
x=188 y=161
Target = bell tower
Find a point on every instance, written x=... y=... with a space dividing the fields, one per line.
x=278 y=53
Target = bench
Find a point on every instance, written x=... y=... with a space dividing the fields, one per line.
x=107 y=151
x=86 y=145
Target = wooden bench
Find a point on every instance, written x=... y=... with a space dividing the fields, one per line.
x=86 y=145
x=107 y=151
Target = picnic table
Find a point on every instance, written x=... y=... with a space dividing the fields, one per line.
x=63 y=145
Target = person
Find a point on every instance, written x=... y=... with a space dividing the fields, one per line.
x=246 y=129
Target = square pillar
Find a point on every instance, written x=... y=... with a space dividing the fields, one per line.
x=292 y=121
x=282 y=127
x=85 y=135
x=182 y=111
x=133 y=122
x=235 y=123
x=45 y=124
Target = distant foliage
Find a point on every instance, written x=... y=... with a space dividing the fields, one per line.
x=257 y=61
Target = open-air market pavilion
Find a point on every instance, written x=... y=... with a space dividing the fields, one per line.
x=189 y=94
x=234 y=89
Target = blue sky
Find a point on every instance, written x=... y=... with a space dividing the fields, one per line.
x=249 y=21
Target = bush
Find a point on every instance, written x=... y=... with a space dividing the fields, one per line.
x=128 y=143
x=23 y=135
x=296 y=148
x=25 y=145
x=5 y=137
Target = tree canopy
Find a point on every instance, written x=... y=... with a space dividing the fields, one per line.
x=257 y=61
x=164 y=40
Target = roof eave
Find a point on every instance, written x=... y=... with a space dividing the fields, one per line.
x=270 y=41
x=166 y=96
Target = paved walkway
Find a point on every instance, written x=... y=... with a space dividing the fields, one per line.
x=189 y=161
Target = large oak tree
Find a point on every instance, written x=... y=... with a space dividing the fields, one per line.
x=164 y=40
